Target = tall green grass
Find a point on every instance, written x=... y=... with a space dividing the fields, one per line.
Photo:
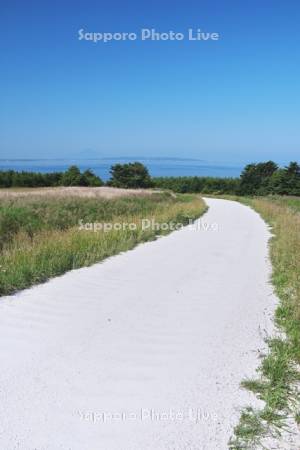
x=40 y=237
x=34 y=213
x=278 y=376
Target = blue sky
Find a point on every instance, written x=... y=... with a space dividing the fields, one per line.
x=233 y=100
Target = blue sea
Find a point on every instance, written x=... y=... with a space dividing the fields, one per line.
x=157 y=167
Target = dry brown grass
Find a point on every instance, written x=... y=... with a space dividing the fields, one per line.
x=74 y=191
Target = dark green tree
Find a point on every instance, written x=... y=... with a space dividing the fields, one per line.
x=255 y=178
x=71 y=177
x=131 y=175
x=286 y=181
x=88 y=178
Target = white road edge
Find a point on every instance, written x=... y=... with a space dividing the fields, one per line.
x=145 y=350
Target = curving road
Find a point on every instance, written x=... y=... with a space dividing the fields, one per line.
x=143 y=351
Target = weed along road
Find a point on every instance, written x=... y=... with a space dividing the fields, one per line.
x=145 y=350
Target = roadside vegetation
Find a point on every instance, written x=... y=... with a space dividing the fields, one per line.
x=40 y=236
x=278 y=377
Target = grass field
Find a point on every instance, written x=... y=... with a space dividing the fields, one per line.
x=278 y=376
x=71 y=191
x=40 y=235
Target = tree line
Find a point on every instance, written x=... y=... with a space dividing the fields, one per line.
x=264 y=178
x=256 y=179
x=71 y=177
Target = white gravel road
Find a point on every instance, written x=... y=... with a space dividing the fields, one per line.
x=145 y=350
